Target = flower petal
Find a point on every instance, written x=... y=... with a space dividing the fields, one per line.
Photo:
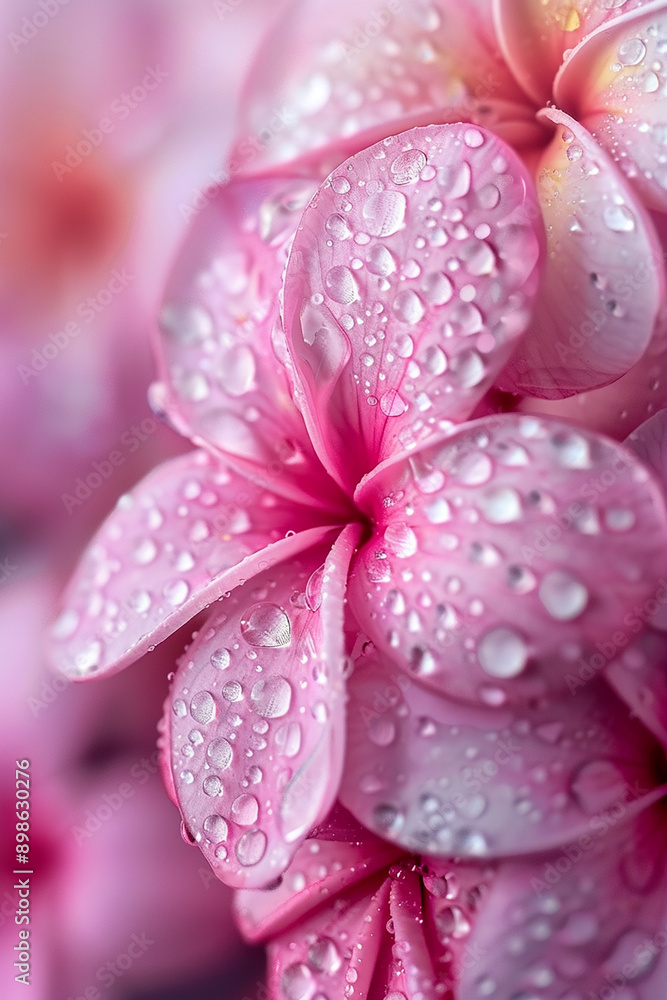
x=223 y=384
x=604 y=281
x=440 y=778
x=257 y=722
x=591 y=917
x=614 y=84
x=639 y=675
x=336 y=80
x=535 y=35
x=410 y=279
x=189 y=532
x=335 y=857
x=315 y=956
x=502 y=555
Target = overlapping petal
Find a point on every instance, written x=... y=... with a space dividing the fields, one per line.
x=257 y=717
x=442 y=779
x=409 y=282
x=536 y=35
x=502 y=555
x=190 y=531
x=223 y=384
x=335 y=80
x=615 y=84
x=602 y=289
x=589 y=921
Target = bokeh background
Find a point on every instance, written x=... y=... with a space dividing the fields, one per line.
x=115 y=120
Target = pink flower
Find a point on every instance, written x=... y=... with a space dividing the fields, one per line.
x=112 y=886
x=467 y=567
x=577 y=89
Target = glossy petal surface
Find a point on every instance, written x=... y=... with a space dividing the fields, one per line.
x=341 y=78
x=441 y=779
x=410 y=280
x=616 y=85
x=579 y=920
x=189 y=532
x=223 y=383
x=257 y=717
x=502 y=555
x=602 y=289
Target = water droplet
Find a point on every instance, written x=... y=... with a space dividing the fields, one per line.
x=288 y=739
x=598 y=785
x=251 y=848
x=391 y=404
x=266 y=625
x=382 y=731
x=452 y=922
x=502 y=653
x=501 y=506
x=212 y=785
x=468 y=369
x=216 y=828
x=176 y=592
x=232 y=691
x=380 y=261
x=619 y=219
x=342 y=285
x=245 y=809
x=617 y=519
x=384 y=212
x=145 y=552
x=220 y=659
x=407 y=166
x=401 y=540
x=336 y=226
x=219 y=754
x=271 y=697
x=563 y=596
x=323 y=956
x=202 y=707
x=408 y=307
x=297 y=982
x=631 y=52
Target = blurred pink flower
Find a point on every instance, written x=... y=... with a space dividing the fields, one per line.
x=101 y=836
x=115 y=116
x=578 y=89
x=481 y=558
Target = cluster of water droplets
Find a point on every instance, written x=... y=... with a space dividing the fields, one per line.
x=422 y=258
x=217 y=322
x=482 y=570
x=251 y=708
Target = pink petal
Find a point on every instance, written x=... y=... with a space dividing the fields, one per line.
x=586 y=922
x=223 y=384
x=440 y=778
x=257 y=721
x=613 y=85
x=335 y=857
x=535 y=34
x=504 y=554
x=410 y=279
x=189 y=532
x=337 y=79
x=600 y=299
x=638 y=673
x=315 y=957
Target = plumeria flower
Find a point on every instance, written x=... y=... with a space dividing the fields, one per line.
x=343 y=506
x=577 y=88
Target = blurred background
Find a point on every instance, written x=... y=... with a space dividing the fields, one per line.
x=115 y=118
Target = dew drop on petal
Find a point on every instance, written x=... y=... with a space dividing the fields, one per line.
x=202 y=707
x=407 y=166
x=271 y=697
x=251 y=848
x=384 y=212
x=502 y=653
x=564 y=597
x=219 y=754
x=267 y=625
x=216 y=828
x=220 y=659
